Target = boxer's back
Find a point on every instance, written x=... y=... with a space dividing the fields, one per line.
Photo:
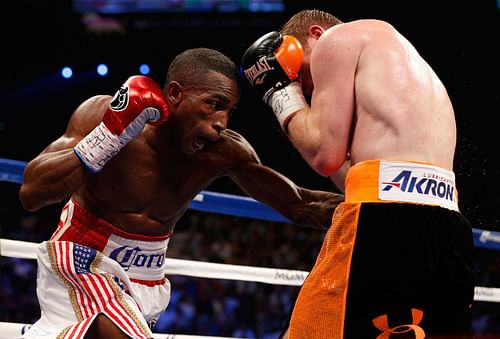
x=402 y=108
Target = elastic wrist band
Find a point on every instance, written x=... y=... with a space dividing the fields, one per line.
x=97 y=147
x=286 y=102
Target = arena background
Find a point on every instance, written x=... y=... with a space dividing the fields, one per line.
x=458 y=38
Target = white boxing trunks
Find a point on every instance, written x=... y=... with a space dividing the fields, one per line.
x=90 y=267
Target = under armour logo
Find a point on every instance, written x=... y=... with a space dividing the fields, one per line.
x=382 y=323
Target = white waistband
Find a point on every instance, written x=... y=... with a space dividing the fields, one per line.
x=142 y=260
x=418 y=183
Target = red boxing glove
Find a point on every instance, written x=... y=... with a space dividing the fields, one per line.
x=138 y=101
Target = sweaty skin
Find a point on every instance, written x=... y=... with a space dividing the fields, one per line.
x=148 y=186
x=372 y=97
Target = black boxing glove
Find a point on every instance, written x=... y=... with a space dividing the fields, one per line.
x=271 y=64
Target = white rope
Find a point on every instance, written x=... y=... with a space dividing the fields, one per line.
x=487 y=294
x=18 y=249
x=26 y=250
x=15 y=330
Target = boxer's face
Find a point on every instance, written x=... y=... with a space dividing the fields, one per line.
x=204 y=110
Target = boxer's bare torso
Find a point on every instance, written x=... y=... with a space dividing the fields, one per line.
x=149 y=184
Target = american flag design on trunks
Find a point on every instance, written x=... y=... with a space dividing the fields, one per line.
x=91 y=292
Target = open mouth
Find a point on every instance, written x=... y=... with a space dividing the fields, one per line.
x=197 y=144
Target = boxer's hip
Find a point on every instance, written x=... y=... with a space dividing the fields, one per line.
x=401 y=181
x=142 y=257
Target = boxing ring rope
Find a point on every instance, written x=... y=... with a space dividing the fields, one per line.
x=12 y=330
x=206 y=201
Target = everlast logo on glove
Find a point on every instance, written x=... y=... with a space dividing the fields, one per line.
x=256 y=73
x=120 y=100
x=260 y=67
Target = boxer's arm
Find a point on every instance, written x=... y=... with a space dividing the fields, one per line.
x=56 y=172
x=320 y=131
x=338 y=177
x=138 y=101
x=323 y=132
x=302 y=206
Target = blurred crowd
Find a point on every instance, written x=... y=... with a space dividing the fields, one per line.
x=211 y=307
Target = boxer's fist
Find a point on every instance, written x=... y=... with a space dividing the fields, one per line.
x=138 y=101
x=272 y=62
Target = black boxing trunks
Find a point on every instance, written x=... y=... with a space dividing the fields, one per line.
x=396 y=260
